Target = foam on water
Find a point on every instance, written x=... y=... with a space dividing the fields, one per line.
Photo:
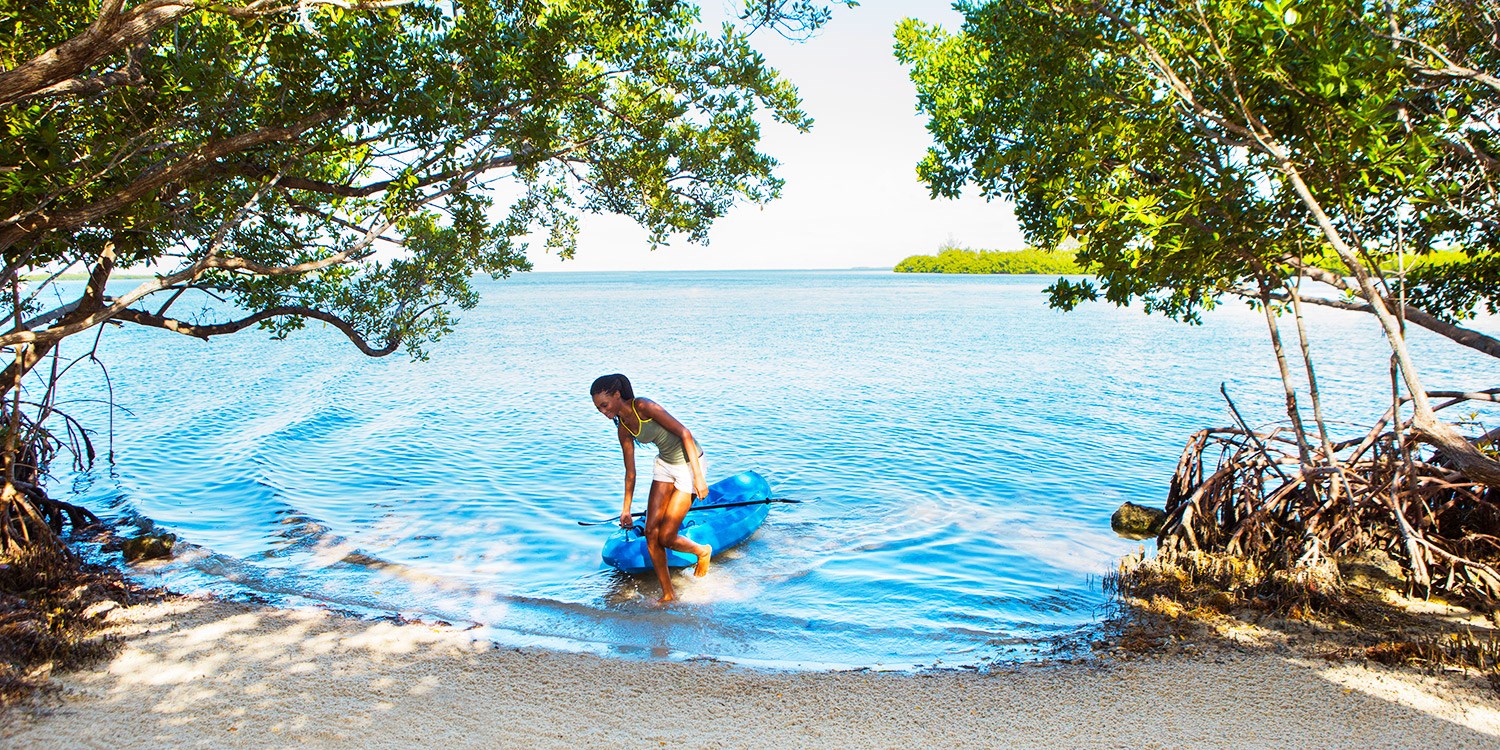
x=961 y=447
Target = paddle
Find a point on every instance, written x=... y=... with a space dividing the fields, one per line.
x=715 y=506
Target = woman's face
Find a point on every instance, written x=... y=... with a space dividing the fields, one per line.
x=609 y=404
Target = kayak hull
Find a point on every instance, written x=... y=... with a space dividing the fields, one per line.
x=720 y=528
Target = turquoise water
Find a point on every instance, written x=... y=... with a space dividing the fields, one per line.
x=959 y=446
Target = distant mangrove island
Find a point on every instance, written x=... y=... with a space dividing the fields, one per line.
x=951 y=259
x=963 y=260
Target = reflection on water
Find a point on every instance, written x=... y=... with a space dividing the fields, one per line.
x=961 y=446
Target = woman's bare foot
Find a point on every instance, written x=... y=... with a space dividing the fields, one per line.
x=665 y=600
x=701 y=569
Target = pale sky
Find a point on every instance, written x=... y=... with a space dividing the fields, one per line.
x=852 y=197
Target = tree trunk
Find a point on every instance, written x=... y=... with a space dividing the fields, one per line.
x=1312 y=378
x=1286 y=375
x=1466 y=457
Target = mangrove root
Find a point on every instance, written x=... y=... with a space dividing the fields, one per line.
x=1261 y=495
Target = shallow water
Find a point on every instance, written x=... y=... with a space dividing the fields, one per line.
x=959 y=446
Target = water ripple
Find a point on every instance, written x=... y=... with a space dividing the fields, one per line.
x=960 y=446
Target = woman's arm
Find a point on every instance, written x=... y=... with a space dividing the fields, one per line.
x=627 y=448
x=695 y=460
x=652 y=410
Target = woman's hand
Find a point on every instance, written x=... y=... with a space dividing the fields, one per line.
x=700 y=488
x=626 y=520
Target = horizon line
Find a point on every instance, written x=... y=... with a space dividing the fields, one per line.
x=707 y=270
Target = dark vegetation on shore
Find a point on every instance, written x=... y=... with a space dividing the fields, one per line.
x=962 y=260
x=1351 y=610
x=52 y=609
x=1033 y=261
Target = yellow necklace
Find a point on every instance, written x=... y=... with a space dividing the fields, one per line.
x=639 y=423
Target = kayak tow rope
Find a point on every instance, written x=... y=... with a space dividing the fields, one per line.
x=715 y=506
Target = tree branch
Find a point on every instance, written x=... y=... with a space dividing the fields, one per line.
x=1316 y=273
x=91 y=300
x=1470 y=338
x=129 y=76
x=194 y=162
x=365 y=191
x=211 y=260
x=56 y=72
x=110 y=33
x=141 y=317
x=1450 y=69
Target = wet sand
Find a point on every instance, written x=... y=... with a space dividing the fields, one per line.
x=201 y=673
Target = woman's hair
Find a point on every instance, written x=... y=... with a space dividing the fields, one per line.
x=615 y=383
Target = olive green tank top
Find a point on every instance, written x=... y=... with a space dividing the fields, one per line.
x=668 y=446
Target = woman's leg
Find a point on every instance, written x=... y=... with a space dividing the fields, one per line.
x=656 y=506
x=671 y=520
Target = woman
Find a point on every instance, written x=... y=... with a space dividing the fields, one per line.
x=677 y=479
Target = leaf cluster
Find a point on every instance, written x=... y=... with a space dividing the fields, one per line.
x=367 y=161
x=1158 y=132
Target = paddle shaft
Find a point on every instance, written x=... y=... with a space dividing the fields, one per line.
x=715 y=506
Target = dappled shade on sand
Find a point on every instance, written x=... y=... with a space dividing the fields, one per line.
x=198 y=673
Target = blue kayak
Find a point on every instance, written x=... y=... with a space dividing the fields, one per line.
x=720 y=528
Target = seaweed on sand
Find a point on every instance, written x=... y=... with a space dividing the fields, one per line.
x=52 y=607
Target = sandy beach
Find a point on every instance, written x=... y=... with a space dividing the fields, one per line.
x=203 y=673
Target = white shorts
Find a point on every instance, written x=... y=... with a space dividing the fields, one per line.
x=680 y=475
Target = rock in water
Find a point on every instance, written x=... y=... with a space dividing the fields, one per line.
x=1137 y=521
x=148 y=547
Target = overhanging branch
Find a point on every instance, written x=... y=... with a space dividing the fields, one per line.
x=196 y=161
x=141 y=317
x=1458 y=334
x=58 y=71
x=374 y=188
